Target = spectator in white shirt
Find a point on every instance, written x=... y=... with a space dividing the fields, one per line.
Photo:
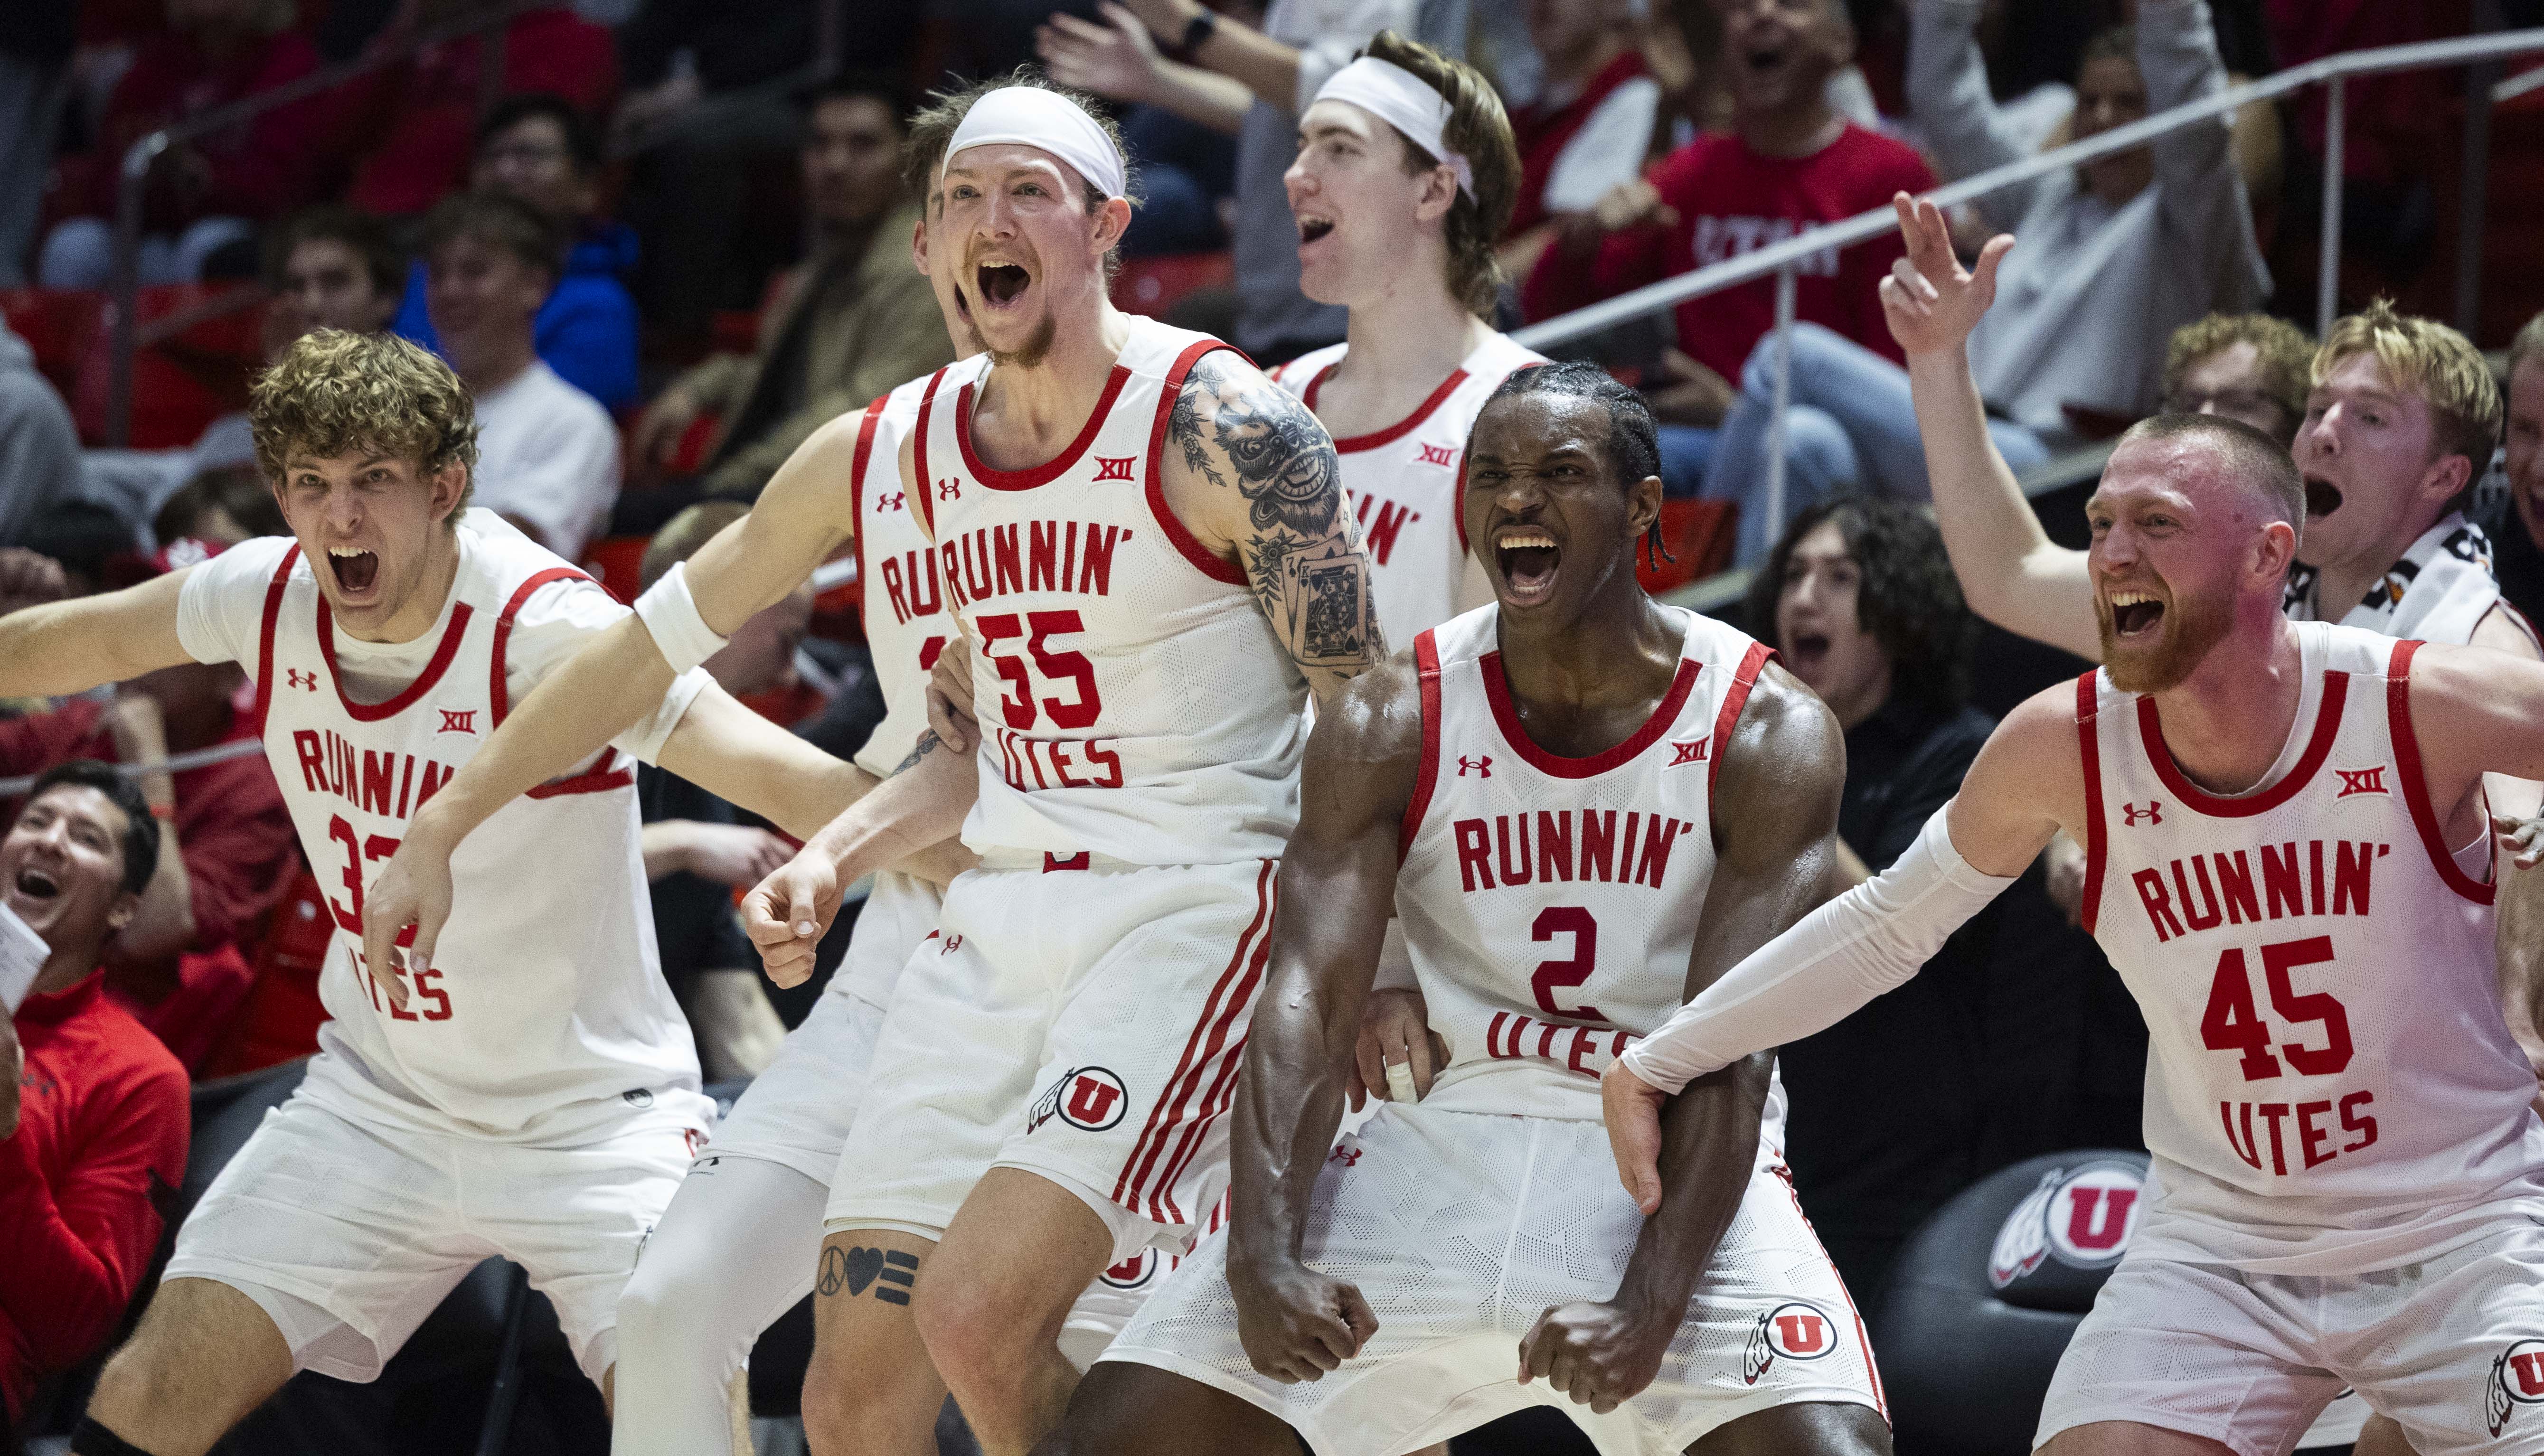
x=548 y=453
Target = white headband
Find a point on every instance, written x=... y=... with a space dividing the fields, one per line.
x=1029 y=115
x=1402 y=100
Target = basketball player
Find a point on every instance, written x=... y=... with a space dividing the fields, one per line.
x=2287 y=864
x=740 y=1242
x=1456 y=1259
x=1405 y=175
x=1147 y=544
x=2401 y=420
x=531 y=1089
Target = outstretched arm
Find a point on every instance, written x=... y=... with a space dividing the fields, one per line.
x=1775 y=828
x=1338 y=887
x=2026 y=782
x=2010 y=571
x=1259 y=485
x=70 y=647
x=909 y=814
x=613 y=682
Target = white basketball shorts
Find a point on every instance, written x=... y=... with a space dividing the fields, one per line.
x=347 y=1230
x=1460 y=1229
x=1081 y=1025
x=796 y=1113
x=2451 y=1347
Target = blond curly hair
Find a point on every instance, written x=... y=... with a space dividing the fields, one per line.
x=333 y=393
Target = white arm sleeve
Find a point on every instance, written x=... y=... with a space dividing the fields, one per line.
x=1865 y=942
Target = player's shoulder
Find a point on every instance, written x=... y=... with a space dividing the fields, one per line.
x=509 y=570
x=1498 y=357
x=1464 y=637
x=237 y=579
x=1298 y=374
x=2504 y=629
x=1183 y=356
x=1377 y=718
x=2044 y=731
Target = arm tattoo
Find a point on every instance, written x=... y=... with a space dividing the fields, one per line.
x=1303 y=548
x=928 y=743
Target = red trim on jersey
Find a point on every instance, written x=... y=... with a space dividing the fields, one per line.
x=264 y=638
x=1506 y=714
x=1223 y=1086
x=2088 y=744
x=601 y=778
x=1426 y=662
x=1400 y=428
x=857 y=489
x=1185 y=542
x=1217 y=1010
x=1049 y=470
x=1752 y=662
x=923 y=488
x=2326 y=727
x=2416 y=789
x=423 y=685
x=1863 y=1341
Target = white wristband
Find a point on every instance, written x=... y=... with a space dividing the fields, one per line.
x=671 y=614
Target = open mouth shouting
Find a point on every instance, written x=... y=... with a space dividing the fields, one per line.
x=357 y=570
x=997 y=285
x=2136 y=616
x=31 y=884
x=1313 y=228
x=1805 y=650
x=1529 y=560
x=2322 y=497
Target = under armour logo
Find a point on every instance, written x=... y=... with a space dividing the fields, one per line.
x=2361 y=781
x=1483 y=766
x=1435 y=454
x=890 y=502
x=1345 y=1156
x=2153 y=813
x=1689 y=752
x=949 y=490
x=462 y=722
x=295 y=677
x=1113 y=467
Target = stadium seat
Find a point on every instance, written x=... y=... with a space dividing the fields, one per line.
x=57 y=324
x=1153 y=285
x=1985 y=1296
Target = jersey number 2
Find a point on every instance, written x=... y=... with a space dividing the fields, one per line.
x=2233 y=1024
x=378 y=847
x=1563 y=975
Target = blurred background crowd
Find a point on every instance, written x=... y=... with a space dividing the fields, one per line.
x=661 y=241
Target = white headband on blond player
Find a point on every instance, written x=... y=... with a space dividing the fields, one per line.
x=1029 y=115
x=1403 y=101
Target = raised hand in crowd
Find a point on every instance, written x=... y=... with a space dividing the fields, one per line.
x=1930 y=300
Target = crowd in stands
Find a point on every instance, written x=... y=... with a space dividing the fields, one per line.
x=662 y=246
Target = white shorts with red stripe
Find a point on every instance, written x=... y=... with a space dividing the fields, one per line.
x=1460 y=1229
x=1083 y=1024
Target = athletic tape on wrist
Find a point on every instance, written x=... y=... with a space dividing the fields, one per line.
x=670 y=613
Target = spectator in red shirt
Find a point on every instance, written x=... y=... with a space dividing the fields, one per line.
x=424 y=112
x=1792 y=161
x=1591 y=125
x=92 y=1111
x=178 y=965
x=207 y=194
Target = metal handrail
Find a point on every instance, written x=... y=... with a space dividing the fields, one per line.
x=1783 y=260
x=134 y=174
x=1653 y=297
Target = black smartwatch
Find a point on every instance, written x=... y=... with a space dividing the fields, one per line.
x=1197 y=33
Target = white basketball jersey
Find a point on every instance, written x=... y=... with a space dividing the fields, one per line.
x=904 y=599
x=1132 y=699
x=1405 y=482
x=2330 y=1087
x=1550 y=903
x=545 y=991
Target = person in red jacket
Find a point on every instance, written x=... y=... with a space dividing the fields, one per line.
x=209 y=193
x=1791 y=162
x=93 y=1110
